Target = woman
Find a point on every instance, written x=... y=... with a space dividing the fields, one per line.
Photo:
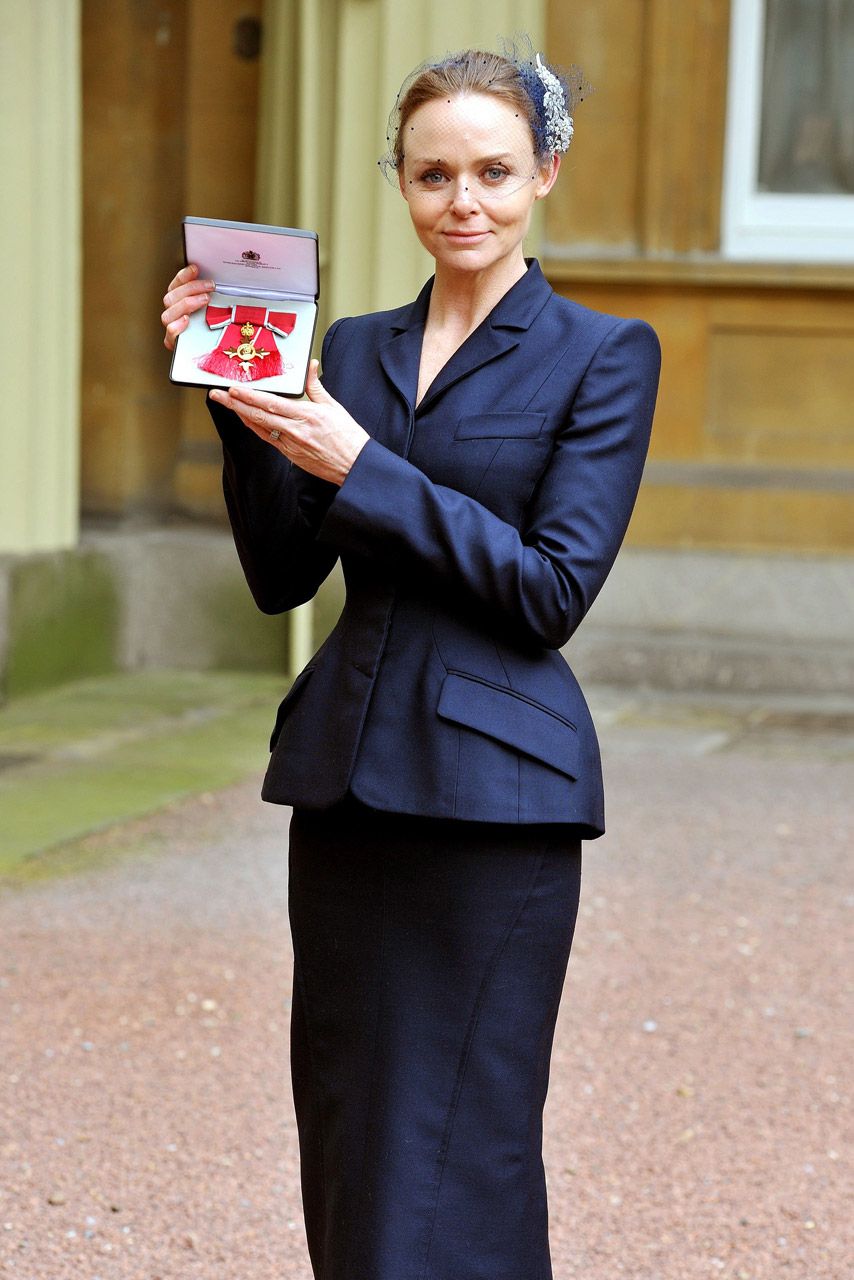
x=473 y=458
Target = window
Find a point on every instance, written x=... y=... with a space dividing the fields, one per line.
x=789 y=158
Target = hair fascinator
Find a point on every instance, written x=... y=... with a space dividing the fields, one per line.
x=555 y=92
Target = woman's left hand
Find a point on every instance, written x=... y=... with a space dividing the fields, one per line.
x=318 y=434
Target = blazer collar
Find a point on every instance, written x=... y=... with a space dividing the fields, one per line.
x=495 y=335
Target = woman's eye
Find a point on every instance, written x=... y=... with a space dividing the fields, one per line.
x=432 y=178
x=496 y=172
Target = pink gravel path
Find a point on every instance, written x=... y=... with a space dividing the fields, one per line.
x=699 y=1119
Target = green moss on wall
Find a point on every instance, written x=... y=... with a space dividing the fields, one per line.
x=240 y=636
x=63 y=620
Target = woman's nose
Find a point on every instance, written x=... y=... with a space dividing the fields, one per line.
x=463 y=197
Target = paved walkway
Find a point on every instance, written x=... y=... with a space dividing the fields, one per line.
x=699 y=1116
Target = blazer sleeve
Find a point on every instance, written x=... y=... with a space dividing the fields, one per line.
x=542 y=577
x=274 y=508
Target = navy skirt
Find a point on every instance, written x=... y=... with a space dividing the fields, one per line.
x=429 y=960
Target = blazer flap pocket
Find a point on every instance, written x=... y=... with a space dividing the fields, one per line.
x=286 y=702
x=474 y=425
x=511 y=718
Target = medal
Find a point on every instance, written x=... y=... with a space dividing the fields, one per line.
x=246 y=352
x=247 y=348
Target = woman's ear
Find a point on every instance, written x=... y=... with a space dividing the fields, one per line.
x=548 y=176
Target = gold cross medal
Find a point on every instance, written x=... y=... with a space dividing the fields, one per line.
x=246 y=352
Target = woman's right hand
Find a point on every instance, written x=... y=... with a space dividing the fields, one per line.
x=186 y=294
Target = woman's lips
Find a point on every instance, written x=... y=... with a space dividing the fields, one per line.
x=466 y=237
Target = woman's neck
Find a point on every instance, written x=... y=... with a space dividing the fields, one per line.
x=459 y=300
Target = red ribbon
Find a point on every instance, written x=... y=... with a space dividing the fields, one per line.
x=265 y=324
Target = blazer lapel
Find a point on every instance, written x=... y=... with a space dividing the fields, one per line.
x=497 y=334
x=480 y=347
x=401 y=355
x=400 y=358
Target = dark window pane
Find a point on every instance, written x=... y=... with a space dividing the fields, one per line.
x=807 y=126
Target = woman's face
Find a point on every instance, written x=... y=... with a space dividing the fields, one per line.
x=470 y=179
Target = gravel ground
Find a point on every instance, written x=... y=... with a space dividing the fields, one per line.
x=698 y=1122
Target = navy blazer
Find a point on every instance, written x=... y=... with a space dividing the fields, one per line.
x=474 y=533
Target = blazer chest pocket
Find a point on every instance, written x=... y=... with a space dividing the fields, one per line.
x=476 y=426
x=512 y=718
x=287 y=702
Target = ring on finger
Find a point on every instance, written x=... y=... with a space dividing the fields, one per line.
x=274 y=434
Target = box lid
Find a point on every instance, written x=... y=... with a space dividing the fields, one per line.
x=254 y=259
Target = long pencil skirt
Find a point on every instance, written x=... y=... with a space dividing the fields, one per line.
x=429 y=960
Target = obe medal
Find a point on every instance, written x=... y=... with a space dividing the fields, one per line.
x=247 y=351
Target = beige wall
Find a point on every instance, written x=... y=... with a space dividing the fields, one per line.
x=643 y=175
x=133 y=99
x=753 y=446
x=220 y=135
x=170 y=110
x=40 y=232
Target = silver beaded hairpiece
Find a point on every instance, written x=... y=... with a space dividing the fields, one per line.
x=558 y=122
x=554 y=91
